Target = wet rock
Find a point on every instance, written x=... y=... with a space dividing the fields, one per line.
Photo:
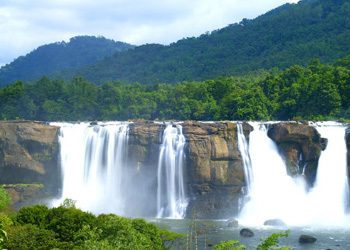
x=232 y=223
x=303 y=239
x=301 y=147
x=274 y=222
x=246 y=232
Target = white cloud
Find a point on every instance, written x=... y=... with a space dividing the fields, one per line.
x=27 y=24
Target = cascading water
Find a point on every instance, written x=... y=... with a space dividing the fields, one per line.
x=92 y=164
x=273 y=194
x=171 y=197
x=244 y=150
x=329 y=197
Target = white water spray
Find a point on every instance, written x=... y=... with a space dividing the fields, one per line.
x=92 y=164
x=274 y=194
x=171 y=197
x=329 y=197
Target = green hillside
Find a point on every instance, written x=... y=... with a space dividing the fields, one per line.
x=56 y=57
x=288 y=35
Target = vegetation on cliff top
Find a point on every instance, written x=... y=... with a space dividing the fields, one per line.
x=318 y=91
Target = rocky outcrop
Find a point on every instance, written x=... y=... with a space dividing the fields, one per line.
x=28 y=154
x=301 y=146
x=214 y=168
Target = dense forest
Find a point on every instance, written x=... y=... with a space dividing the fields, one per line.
x=289 y=35
x=318 y=91
x=61 y=56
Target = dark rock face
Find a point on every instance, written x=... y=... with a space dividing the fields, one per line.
x=28 y=155
x=214 y=169
x=246 y=232
x=306 y=239
x=301 y=146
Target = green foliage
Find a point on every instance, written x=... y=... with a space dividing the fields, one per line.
x=66 y=227
x=229 y=245
x=35 y=215
x=3 y=236
x=323 y=89
x=271 y=242
x=5 y=198
x=32 y=237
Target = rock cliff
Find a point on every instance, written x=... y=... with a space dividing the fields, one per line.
x=214 y=168
x=301 y=146
x=28 y=155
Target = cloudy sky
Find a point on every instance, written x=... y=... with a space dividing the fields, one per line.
x=27 y=24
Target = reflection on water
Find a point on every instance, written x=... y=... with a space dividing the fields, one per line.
x=212 y=232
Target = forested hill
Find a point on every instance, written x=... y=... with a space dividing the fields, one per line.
x=52 y=58
x=288 y=35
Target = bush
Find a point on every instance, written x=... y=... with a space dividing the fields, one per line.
x=35 y=215
x=5 y=198
x=31 y=237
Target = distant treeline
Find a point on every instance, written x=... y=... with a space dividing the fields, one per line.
x=317 y=91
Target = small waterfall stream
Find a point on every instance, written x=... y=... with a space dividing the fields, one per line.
x=171 y=197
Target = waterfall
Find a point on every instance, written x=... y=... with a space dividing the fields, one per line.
x=244 y=150
x=93 y=164
x=274 y=194
x=331 y=191
x=171 y=197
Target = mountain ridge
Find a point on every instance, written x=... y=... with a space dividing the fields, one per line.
x=292 y=34
x=55 y=57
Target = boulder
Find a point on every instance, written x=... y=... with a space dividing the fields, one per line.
x=275 y=222
x=301 y=147
x=246 y=232
x=306 y=239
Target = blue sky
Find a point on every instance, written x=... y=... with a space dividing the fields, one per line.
x=27 y=24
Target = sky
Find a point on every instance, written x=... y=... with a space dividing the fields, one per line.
x=28 y=24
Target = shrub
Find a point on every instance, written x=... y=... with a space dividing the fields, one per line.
x=5 y=198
